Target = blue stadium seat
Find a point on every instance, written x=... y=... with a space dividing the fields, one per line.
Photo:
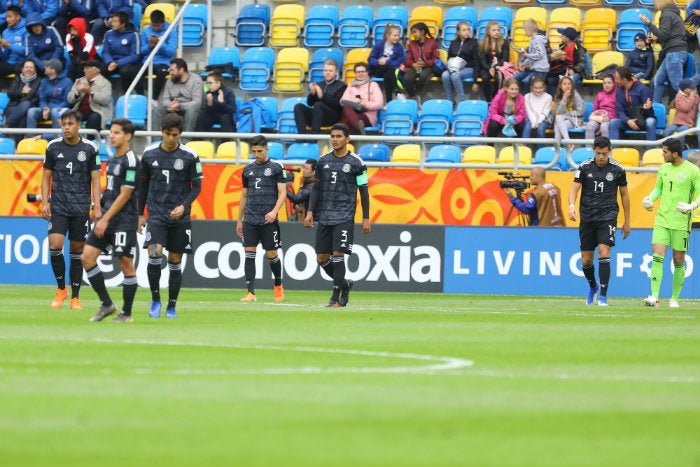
x=469 y=118
x=285 y=117
x=7 y=146
x=582 y=130
x=354 y=26
x=623 y=3
x=435 y=118
x=226 y=57
x=454 y=16
x=271 y=105
x=275 y=150
x=552 y=2
x=378 y=126
x=581 y=154
x=389 y=14
x=445 y=153
x=321 y=55
x=252 y=25
x=194 y=25
x=545 y=155
x=137 y=107
x=400 y=117
x=4 y=100
x=374 y=153
x=302 y=152
x=320 y=25
x=256 y=68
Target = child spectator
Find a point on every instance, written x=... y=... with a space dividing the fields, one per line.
x=604 y=110
x=640 y=61
x=386 y=57
x=686 y=104
x=569 y=109
x=420 y=58
x=535 y=60
x=507 y=109
x=494 y=51
x=538 y=107
x=462 y=62
x=569 y=59
x=80 y=46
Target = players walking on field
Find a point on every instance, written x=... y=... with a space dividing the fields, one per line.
x=599 y=179
x=677 y=183
x=70 y=182
x=115 y=232
x=264 y=193
x=339 y=175
x=171 y=176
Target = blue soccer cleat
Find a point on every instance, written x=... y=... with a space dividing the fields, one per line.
x=592 y=293
x=155 y=310
x=170 y=313
x=602 y=300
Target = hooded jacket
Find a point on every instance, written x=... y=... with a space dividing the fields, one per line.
x=671 y=31
x=17 y=37
x=121 y=46
x=53 y=93
x=498 y=106
x=537 y=56
x=44 y=46
x=398 y=56
x=606 y=101
x=82 y=47
x=167 y=49
x=640 y=61
x=47 y=9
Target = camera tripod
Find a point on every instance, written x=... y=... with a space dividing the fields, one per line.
x=523 y=219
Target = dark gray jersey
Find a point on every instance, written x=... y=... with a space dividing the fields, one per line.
x=599 y=186
x=167 y=177
x=261 y=181
x=124 y=171
x=72 y=166
x=338 y=179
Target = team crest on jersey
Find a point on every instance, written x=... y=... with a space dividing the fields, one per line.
x=346 y=168
x=48 y=40
x=681 y=176
x=82 y=156
x=179 y=164
x=124 y=42
x=609 y=176
x=117 y=169
x=268 y=172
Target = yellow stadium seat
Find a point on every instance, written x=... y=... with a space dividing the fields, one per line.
x=479 y=155
x=204 y=149
x=169 y=11
x=229 y=150
x=598 y=29
x=32 y=146
x=431 y=15
x=627 y=157
x=601 y=60
x=562 y=18
x=538 y=13
x=652 y=157
x=327 y=149
x=507 y=155
x=354 y=56
x=290 y=69
x=406 y=153
x=516 y=3
x=286 y=24
x=585 y=3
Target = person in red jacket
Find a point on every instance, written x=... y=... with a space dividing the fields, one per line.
x=420 y=58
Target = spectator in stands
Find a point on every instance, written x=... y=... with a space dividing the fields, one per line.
x=422 y=52
x=569 y=109
x=361 y=100
x=671 y=35
x=13 y=42
x=150 y=36
x=182 y=95
x=53 y=96
x=47 y=9
x=462 y=62
x=91 y=96
x=538 y=108
x=106 y=9
x=693 y=9
x=120 y=51
x=568 y=60
x=506 y=112
x=686 y=104
x=386 y=57
x=218 y=106
x=72 y=9
x=23 y=94
x=80 y=46
x=640 y=61
x=535 y=60
x=604 y=110
x=323 y=101
x=43 y=42
x=494 y=51
x=633 y=106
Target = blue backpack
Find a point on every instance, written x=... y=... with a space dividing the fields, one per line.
x=253 y=115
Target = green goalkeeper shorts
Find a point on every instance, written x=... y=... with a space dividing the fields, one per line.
x=676 y=239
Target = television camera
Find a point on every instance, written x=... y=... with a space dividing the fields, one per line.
x=519 y=183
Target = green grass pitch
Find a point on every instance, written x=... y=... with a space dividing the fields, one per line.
x=391 y=380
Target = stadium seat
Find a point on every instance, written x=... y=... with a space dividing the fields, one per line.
x=469 y=118
x=504 y=16
x=252 y=25
x=431 y=15
x=320 y=26
x=135 y=110
x=290 y=69
x=377 y=127
x=229 y=150
x=579 y=155
x=435 y=118
x=255 y=70
x=585 y=3
x=286 y=24
x=168 y=9
x=194 y=25
x=562 y=18
x=545 y=155
x=389 y=14
x=7 y=146
x=32 y=146
x=598 y=29
x=319 y=57
x=479 y=155
x=586 y=115
x=445 y=153
x=285 y=117
x=271 y=104
x=4 y=100
x=400 y=118
x=301 y=152
x=355 y=26
x=600 y=61
x=353 y=56
x=507 y=155
x=204 y=149
x=619 y=3
x=646 y=3
x=228 y=57
x=275 y=150
x=552 y=2
x=327 y=149
x=137 y=9
x=406 y=153
x=453 y=17
x=652 y=157
x=374 y=153
x=661 y=121
x=538 y=13
x=628 y=26
x=517 y=3
x=627 y=157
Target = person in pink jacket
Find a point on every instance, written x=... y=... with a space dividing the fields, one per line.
x=686 y=104
x=507 y=108
x=361 y=100
x=604 y=110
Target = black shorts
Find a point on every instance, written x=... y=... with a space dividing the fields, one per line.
x=267 y=234
x=339 y=237
x=119 y=243
x=591 y=234
x=176 y=238
x=76 y=226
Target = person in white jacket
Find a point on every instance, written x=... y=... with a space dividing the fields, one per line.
x=538 y=107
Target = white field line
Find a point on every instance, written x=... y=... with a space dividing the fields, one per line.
x=576 y=377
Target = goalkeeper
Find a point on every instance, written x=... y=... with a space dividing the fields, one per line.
x=678 y=185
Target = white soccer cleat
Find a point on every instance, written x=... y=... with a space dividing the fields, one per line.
x=651 y=301
x=673 y=304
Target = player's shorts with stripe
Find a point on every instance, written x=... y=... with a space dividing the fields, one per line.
x=338 y=237
x=676 y=239
x=593 y=233
x=119 y=243
x=267 y=234
x=76 y=226
x=176 y=238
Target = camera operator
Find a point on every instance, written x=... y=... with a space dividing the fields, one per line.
x=301 y=198
x=543 y=204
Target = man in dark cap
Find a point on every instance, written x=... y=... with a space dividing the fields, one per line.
x=91 y=97
x=569 y=60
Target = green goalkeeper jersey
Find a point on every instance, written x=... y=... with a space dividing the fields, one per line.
x=675 y=183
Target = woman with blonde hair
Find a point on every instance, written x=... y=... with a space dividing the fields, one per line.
x=386 y=57
x=494 y=51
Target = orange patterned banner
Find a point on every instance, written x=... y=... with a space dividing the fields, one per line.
x=398 y=195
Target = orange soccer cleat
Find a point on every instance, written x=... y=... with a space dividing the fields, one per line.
x=75 y=304
x=249 y=297
x=59 y=298
x=278 y=293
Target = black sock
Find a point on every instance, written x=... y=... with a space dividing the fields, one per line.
x=59 y=267
x=174 y=283
x=328 y=268
x=76 y=273
x=338 y=275
x=97 y=280
x=153 y=271
x=589 y=274
x=604 y=272
x=249 y=269
x=129 y=287
x=276 y=267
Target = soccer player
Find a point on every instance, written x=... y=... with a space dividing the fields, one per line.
x=677 y=182
x=339 y=175
x=115 y=232
x=264 y=193
x=599 y=179
x=70 y=182
x=171 y=179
